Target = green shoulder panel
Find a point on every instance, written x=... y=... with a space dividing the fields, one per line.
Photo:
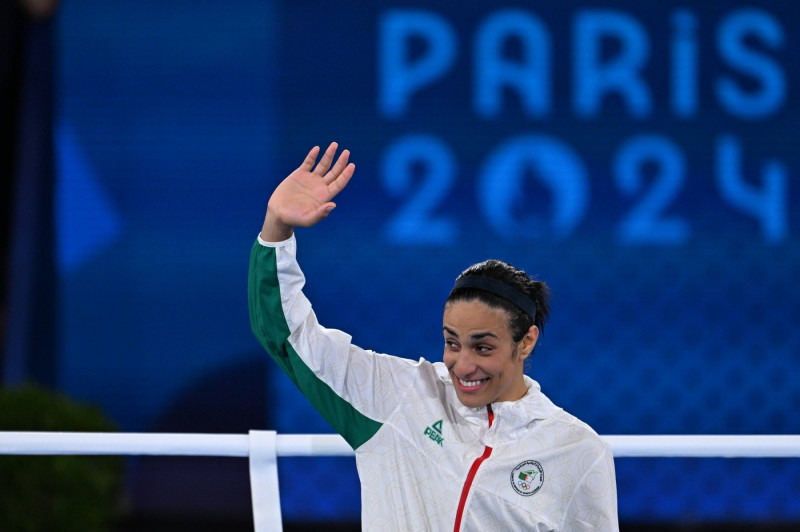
x=270 y=328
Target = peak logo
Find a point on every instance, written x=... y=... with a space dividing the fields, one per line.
x=434 y=432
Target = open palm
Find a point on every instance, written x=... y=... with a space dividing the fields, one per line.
x=304 y=197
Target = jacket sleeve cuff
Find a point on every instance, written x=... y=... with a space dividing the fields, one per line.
x=275 y=244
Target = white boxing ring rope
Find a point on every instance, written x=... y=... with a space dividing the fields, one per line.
x=237 y=445
x=263 y=448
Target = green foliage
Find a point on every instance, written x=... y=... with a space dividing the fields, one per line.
x=55 y=493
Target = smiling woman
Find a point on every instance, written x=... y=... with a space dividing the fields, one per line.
x=501 y=311
x=470 y=443
x=485 y=363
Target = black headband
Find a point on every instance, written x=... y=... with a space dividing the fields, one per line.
x=500 y=289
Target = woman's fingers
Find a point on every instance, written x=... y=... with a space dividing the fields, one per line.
x=327 y=158
x=338 y=176
x=338 y=168
x=336 y=186
x=311 y=158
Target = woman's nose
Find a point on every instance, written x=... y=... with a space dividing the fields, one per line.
x=464 y=364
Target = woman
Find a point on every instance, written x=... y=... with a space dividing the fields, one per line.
x=469 y=443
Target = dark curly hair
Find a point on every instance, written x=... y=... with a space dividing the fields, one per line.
x=519 y=321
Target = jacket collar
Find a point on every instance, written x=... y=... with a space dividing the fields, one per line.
x=509 y=416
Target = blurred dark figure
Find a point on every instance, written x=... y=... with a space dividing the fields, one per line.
x=25 y=119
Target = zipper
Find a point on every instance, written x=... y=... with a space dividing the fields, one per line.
x=487 y=452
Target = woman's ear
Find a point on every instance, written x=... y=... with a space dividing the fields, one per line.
x=528 y=341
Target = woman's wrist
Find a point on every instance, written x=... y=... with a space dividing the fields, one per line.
x=274 y=229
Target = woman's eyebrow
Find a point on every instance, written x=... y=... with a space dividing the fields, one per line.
x=450 y=331
x=476 y=336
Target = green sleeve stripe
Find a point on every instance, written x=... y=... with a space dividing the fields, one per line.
x=270 y=328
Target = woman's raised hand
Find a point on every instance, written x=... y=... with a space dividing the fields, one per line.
x=304 y=197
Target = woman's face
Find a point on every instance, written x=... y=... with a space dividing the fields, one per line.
x=485 y=363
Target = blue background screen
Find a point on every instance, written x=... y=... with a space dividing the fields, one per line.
x=640 y=157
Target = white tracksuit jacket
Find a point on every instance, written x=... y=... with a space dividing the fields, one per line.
x=425 y=461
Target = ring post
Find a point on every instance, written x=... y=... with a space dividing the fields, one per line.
x=264 y=481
